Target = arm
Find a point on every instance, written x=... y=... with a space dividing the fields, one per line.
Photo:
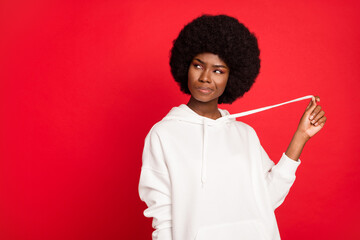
x=155 y=188
x=311 y=122
x=281 y=176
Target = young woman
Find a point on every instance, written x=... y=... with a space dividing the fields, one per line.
x=204 y=174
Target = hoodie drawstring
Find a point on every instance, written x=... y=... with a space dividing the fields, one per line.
x=205 y=130
x=203 y=162
x=268 y=107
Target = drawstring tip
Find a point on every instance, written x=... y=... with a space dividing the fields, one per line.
x=203 y=181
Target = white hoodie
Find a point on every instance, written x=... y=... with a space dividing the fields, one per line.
x=205 y=179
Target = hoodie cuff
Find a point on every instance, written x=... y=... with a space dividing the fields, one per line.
x=287 y=166
x=163 y=234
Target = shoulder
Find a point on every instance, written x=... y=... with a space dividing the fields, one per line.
x=156 y=130
x=246 y=127
x=238 y=124
x=165 y=125
x=246 y=130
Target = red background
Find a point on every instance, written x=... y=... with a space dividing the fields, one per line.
x=82 y=82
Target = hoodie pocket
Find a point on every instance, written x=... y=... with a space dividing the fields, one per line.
x=244 y=230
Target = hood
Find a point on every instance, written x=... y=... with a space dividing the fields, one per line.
x=184 y=113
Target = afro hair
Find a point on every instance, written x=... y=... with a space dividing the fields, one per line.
x=226 y=37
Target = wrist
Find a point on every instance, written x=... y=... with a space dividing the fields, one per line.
x=296 y=145
x=301 y=137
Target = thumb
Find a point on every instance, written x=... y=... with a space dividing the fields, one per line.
x=312 y=103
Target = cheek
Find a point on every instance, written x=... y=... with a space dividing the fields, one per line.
x=191 y=77
x=223 y=82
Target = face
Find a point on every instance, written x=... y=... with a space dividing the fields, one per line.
x=207 y=77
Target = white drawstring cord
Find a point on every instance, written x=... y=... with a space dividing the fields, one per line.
x=268 y=107
x=203 y=167
x=203 y=162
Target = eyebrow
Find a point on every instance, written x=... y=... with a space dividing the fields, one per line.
x=219 y=66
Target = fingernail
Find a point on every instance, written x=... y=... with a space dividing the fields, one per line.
x=311 y=117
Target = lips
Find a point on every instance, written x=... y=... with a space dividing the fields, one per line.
x=205 y=90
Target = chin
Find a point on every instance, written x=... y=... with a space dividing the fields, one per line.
x=204 y=99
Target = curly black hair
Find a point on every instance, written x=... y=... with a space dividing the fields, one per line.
x=226 y=37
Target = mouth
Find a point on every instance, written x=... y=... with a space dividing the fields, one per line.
x=205 y=90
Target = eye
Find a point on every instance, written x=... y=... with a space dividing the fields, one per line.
x=218 y=71
x=197 y=65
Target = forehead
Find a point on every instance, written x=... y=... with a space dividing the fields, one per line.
x=210 y=58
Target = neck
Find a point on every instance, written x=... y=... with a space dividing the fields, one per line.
x=205 y=109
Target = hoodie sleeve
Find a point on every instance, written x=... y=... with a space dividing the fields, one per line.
x=155 y=188
x=279 y=177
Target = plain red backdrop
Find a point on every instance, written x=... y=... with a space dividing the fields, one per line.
x=82 y=82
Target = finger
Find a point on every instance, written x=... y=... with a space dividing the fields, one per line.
x=321 y=122
x=311 y=105
x=318 y=116
x=311 y=102
x=317 y=98
x=316 y=110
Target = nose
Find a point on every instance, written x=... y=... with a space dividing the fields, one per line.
x=205 y=76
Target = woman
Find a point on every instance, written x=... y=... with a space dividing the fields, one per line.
x=204 y=174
